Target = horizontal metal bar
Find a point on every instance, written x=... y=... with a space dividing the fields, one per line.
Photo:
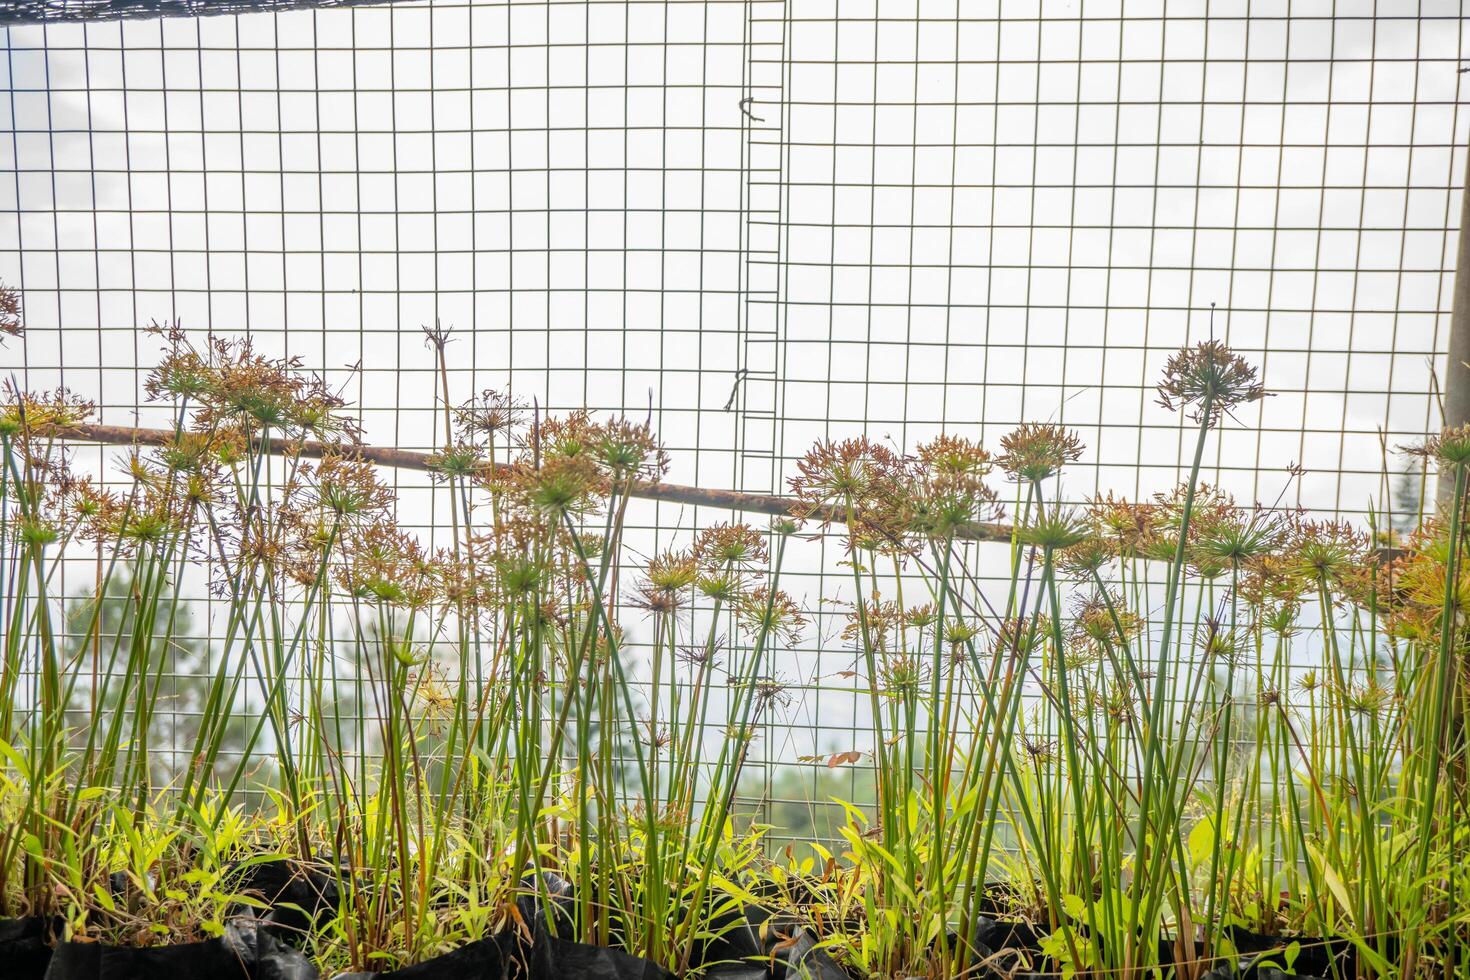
x=753 y=503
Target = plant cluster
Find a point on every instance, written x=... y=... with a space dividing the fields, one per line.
x=1176 y=722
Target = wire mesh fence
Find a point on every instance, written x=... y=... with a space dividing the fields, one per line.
x=763 y=223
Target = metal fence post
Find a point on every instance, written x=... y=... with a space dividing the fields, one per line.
x=1457 y=374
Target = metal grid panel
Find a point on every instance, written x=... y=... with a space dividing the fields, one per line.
x=768 y=222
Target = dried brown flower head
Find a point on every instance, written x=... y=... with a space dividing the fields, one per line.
x=730 y=546
x=348 y=486
x=851 y=474
x=874 y=623
x=1209 y=380
x=1036 y=451
x=764 y=612
x=1452 y=445
x=1326 y=551
x=954 y=456
x=629 y=451
x=491 y=415
x=1127 y=525
x=562 y=486
x=947 y=491
x=229 y=384
x=382 y=563
x=1093 y=622
x=11 y=322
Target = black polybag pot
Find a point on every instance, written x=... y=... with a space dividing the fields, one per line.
x=483 y=959
x=301 y=897
x=24 y=951
x=1008 y=948
x=755 y=945
x=804 y=961
x=735 y=951
x=553 y=958
x=244 y=952
x=999 y=934
x=504 y=957
x=1252 y=971
x=1315 y=956
x=560 y=895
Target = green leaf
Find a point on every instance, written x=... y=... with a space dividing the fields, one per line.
x=1380 y=965
x=967 y=801
x=1202 y=840
x=854 y=815
x=733 y=890
x=104 y=898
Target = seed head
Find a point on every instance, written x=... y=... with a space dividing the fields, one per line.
x=673 y=570
x=1037 y=451
x=1326 y=551
x=24 y=411
x=1093 y=625
x=733 y=546
x=921 y=617
x=882 y=617
x=1018 y=636
x=947 y=492
x=563 y=485
x=901 y=677
x=763 y=612
x=959 y=632
x=349 y=487
x=722 y=587
x=1127 y=525
x=1053 y=529
x=666 y=587
x=852 y=473
x=1209 y=380
x=1085 y=557
x=948 y=455
x=1450 y=446
x=1281 y=618
x=460 y=461
x=11 y=322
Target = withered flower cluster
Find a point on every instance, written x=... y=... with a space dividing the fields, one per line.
x=386 y=564
x=1037 y=451
x=569 y=466
x=950 y=493
x=775 y=614
x=490 y=416
x=877 y=623
x=725 y=564
x=1209 y=380
x=889 y=502
x=1452 y=446
x=1094 y=624
x=52 y=503
x=667 y=586
x=229 y=385
x=12 y=323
